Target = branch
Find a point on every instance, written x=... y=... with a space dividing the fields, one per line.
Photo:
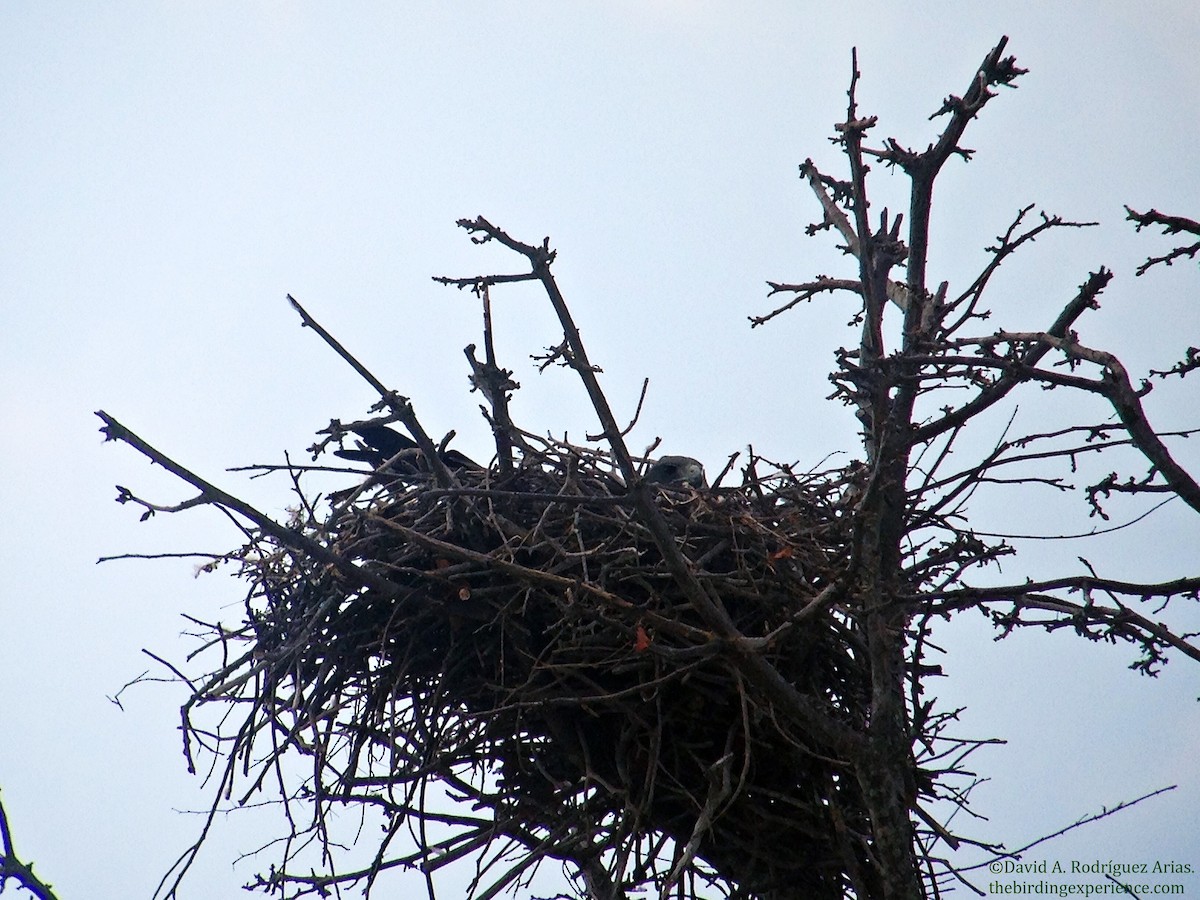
x=1142 y=590
x=1005 y=247
x=400 y=406
x=1120 y=618
x=1114 y=385
x=923 y=169
x=993 y=72
x=805 y=292
x=12 y=867
x=1105 y=812
x=1170 y=225
x=496 y=384
x=999 y=389
x=834 y=217
x=212 y=495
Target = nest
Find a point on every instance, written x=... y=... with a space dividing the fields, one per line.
x=537 y=655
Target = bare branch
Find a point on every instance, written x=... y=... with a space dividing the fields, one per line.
x=1170 y=225
x=212 y=495
x=1084 y=300
x=11 y=866
x=400 y=406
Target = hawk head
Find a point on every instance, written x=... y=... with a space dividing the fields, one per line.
x=677 y=471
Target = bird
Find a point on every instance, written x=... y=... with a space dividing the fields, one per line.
x=379 y=443
x=676 y=471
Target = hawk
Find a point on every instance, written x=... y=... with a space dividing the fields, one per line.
x=379 y=443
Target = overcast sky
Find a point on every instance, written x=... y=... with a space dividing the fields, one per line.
x=169 y=171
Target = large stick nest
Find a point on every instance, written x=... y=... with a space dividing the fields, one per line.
x=537 y=635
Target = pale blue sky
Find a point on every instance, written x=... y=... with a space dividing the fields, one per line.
x=169 y=171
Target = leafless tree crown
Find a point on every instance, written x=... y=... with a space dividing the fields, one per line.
x=698 y=691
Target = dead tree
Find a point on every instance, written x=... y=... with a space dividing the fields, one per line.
x=702 y=691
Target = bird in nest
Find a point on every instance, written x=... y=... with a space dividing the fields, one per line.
x=676 y=471
x=378 y=444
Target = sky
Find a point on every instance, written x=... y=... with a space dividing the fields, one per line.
x=169 y=172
